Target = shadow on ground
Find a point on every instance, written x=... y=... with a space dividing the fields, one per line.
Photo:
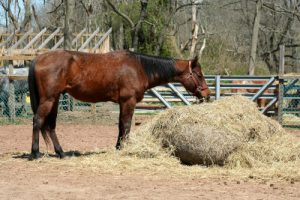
x=67 y=154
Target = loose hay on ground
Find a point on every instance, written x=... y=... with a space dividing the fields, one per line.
x=230 y=132
x=249 y=143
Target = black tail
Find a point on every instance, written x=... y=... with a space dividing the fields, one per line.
x=35 y=98
x=33 y=90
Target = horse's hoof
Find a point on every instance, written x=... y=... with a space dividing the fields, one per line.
x=61 y=155
x=34 y=156
x=118 y=147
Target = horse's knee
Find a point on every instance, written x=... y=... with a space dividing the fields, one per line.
x=37 y=122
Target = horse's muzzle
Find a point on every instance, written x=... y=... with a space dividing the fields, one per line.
x=203 y=99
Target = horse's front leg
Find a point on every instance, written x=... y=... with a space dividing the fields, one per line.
x=125 y=118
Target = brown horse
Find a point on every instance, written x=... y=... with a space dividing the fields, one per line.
x=121 y=77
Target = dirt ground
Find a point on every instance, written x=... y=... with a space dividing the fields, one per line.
x=19 y=179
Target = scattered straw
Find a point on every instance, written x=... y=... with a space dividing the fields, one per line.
x=230 y=132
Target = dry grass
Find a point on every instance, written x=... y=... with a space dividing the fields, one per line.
x=262 y=149
x=230 y=132
x=291 y=120
x=207 y=133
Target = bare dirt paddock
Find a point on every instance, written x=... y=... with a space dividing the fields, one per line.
x=52 y=178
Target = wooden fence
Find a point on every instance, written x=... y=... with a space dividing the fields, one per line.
x=26 y=46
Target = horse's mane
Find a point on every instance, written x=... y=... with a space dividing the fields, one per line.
x=164 y=68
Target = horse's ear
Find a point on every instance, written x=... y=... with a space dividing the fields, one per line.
x=195 y=62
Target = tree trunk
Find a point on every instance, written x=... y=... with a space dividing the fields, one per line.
x=203 y=45
x=68 y=28
x=195 y=28
x=27 y=16
x=254 y=41
x=121 y=36
x=6 y=20
x=36 y=18
x=143 y=13
x=9 y=14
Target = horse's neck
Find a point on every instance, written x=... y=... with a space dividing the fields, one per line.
x=156 y=81
x=153 y=82
x=180 y=68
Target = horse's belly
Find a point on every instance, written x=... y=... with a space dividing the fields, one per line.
x=94 y=94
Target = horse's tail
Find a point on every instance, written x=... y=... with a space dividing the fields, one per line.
x=35 y=97
x=33 y=90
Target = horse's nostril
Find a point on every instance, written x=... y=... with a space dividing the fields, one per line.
x=201 y=100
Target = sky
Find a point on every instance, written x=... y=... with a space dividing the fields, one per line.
x=15 y=10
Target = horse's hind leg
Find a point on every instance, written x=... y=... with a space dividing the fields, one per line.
x=52 y=125
x=38 y=122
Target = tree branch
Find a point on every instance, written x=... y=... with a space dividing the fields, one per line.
x=87 y=10
x=278 y=48
x=56 y=8
x=125 y=17
x=281 y=9
x=11 y=16
x=36 y=18
x=189 y=4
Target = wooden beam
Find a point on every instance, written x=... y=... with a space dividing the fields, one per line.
x=35 y=39
x=17 y=57
x=290 y=77
x=10 y=37
x=21 y=39
x=58 y=43
x=89 y=39
x=97 y=45
x=78 y=36
x=15 y=77
x=49 y=38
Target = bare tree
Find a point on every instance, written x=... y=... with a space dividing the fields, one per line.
x=7 y=8
x=69 y=6
x=138 y=26
x=27 y=16
x=135 y=27
x=195 y=29
x=254 y=40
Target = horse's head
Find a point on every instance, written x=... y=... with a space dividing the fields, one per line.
x=193 y=80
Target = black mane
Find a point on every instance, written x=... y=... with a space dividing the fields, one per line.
x=164 y=68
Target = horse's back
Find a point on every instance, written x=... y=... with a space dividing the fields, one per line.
x=90 y=77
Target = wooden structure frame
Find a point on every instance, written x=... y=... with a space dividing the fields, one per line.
x=26 y=46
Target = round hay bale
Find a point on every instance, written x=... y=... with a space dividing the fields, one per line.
x=207 y=145
x=208 y=133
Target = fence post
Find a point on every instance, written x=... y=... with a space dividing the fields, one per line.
x=217 y=87
x=11 y=96
x=280 y=100
x=281 y=86
x=281 y=61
